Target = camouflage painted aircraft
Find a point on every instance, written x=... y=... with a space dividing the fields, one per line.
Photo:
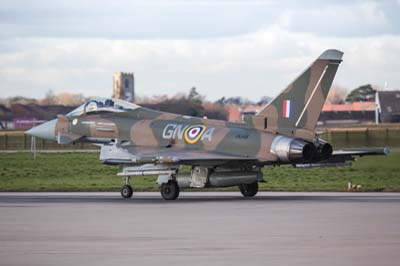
x=220 y=153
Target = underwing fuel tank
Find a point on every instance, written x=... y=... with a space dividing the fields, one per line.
x=218 y=178
x=227 y=179
x=290 y=150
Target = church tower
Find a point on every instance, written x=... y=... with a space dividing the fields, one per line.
x=124 y=86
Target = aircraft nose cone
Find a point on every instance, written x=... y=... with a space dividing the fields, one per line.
x=44 y=131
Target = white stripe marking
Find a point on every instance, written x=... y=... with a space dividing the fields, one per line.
x=312 y=94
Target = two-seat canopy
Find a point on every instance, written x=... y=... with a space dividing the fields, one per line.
x=103 y=105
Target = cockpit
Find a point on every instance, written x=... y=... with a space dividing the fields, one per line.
x=103 y=105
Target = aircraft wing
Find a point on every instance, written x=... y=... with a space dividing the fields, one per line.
x=361 y=151
x=345 y=156
x=142 y=155
x=194 y=157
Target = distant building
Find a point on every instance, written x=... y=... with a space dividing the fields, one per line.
x=388 y=106
x=124 y=86
x=352 y=113
x=234 y=114
x=5 y=117
x=237 y=113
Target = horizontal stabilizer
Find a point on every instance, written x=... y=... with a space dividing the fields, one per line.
x=64 y=136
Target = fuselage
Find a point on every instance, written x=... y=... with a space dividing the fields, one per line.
x=152 y=129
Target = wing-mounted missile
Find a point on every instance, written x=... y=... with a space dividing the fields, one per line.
x=114 y=153
x=63 y=131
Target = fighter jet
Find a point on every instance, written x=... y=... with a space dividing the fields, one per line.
x=220 y=153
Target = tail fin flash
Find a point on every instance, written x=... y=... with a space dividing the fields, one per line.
x=296 y=110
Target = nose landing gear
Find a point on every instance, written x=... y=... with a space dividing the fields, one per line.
x=126 y=190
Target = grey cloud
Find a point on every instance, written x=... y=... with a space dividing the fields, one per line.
x=226 y=49
x=105 y=19
x=353 y=19
x=192 y=19
x=253 y=65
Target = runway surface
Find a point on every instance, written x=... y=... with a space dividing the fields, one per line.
x=200 y=229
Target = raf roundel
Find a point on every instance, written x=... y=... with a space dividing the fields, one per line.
x=194 y=133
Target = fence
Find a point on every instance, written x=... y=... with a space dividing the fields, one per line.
x=363 y=137
x=20 y=141
x=339 y=138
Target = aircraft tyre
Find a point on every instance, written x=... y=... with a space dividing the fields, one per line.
x=170 y=190
x=126 y=191
x=249 y=190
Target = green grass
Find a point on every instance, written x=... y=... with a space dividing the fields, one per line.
x=84 y=172
x=373 y=173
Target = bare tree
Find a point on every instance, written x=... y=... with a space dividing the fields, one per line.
x=337 y=95
x=69 y=99
x=49 y=98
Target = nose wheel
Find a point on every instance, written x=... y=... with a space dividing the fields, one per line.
x=126 y=190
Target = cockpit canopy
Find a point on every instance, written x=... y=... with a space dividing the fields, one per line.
x=103 y=105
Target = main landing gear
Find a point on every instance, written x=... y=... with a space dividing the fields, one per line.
x=249 y=190
x=170 y=190
x=126 y=190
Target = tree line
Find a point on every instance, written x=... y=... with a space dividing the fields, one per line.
x=193 y=103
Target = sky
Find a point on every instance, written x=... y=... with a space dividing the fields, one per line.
x=224 y=48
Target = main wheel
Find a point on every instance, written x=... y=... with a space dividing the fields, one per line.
x=249 y=190
x=170 y=190
x=126 y=191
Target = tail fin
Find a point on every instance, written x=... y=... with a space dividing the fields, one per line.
x=296 y=110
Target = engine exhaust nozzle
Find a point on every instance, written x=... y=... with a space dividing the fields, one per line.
x=290 y=150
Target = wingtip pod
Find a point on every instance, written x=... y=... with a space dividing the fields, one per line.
x=378 y=151
x=386 y=151
x=331 y=54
